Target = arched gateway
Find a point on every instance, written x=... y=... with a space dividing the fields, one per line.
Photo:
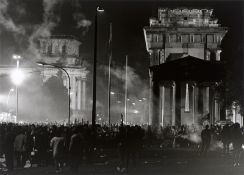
x=185 y=66
x=63 y=51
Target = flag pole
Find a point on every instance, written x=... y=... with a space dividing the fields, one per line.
x=109 y=73
x=126 y=65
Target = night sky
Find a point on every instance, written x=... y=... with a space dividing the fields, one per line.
x=128 y=19
x=74 y=17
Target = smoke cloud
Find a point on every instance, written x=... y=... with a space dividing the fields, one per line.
x=26 y=32
x=25 y=27
x=6 y=21
x=137 y=94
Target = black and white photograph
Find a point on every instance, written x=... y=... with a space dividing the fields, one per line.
x=122 y=87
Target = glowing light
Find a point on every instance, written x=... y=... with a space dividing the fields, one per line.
x=128 y=99
x=100 y=9
x=112 y=93
x=16 y=57
x=17 y=77
x=242 y=146
x=144 y=99
x=136 y=111
x=21 y=122
x=133 y=103
x=140 y=100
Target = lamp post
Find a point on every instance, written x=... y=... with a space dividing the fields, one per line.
x=58 y=67
x=98 y=10
x=10 y=90
x=17 y=78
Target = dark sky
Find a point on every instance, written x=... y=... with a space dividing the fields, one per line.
x=128 y=19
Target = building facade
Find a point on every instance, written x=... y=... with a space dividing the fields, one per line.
x=185 y=66
x=62 y=51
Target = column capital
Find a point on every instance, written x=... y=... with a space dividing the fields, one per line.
x=167 y=83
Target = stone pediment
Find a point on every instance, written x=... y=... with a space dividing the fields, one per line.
x=189 y=68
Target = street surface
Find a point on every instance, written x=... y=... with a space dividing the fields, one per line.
x=168 y=162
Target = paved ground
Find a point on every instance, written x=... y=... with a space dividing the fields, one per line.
x=168 y=162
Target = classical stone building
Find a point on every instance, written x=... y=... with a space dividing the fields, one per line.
x=185 y=66
x=63 y=51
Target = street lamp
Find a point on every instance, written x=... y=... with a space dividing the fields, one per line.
x=98 y=10
x=58 y=67
x=17 y=77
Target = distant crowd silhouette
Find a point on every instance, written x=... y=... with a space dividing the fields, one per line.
x=26 y=145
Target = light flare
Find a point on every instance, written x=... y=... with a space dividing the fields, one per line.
x=17 y=77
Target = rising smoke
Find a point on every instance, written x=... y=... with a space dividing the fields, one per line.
x=24 y=26
x=26 y=34
x=137 y=90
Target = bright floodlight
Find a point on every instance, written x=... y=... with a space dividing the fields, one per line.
x=16 y=57
x=100 y=9
x=17 y=77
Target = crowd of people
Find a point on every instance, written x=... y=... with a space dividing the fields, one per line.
x=69 y=146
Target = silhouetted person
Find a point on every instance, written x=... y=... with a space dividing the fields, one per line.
x=9 y=147
x=206 y=138
x=42 y=144
x=121 y=140
x=20 y=148
x=237 y=143
x=226 y=138
x=58 y=145
x=76 y=149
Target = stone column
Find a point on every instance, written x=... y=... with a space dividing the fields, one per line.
x=216 y=110
x=193 y=104
x=218 y=52
x=207 y=55
x=79 y=95
x=173 y=104
x=187 y=108
x=178 y=103
x=84 y=95
x=211 y=104
x=154 y=102
x=150 y=99
x=205 y=99
x=73 y=93
x=162 y=97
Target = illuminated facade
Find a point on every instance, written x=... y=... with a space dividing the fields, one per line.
x=65 y=52
x=185 y=66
